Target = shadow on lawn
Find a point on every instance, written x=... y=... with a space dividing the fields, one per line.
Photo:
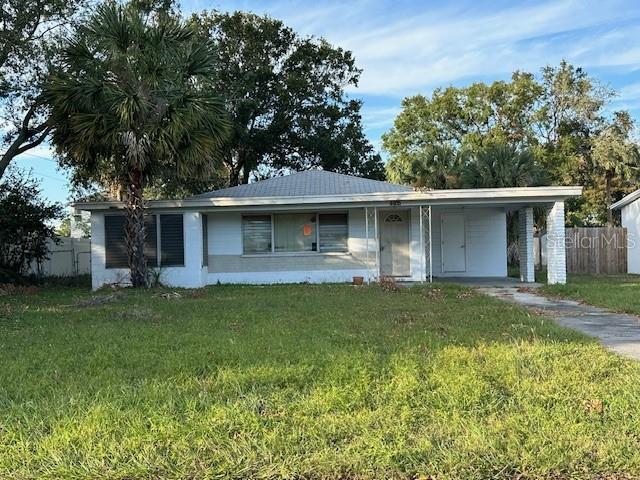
x=141 y=335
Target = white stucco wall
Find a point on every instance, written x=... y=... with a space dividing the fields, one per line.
x=227 y=264
x=485 y=249
x=631 y=221
x=485 y=242
x=486 y=245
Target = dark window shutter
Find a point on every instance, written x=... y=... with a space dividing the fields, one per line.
x=205 y=241
x=171 y=240
x=151 y=241
x=114 y=244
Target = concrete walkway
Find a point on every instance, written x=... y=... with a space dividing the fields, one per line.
x=619 y=332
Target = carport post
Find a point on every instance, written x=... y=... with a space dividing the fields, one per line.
x=525 y=243
x=556 y=254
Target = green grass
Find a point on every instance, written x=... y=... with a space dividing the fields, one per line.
x=620 y=293
x=307 y=382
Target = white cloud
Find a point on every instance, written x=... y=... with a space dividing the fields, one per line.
x=375 y=118
x=405 y=48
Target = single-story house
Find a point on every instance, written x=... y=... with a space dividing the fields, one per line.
x=318 y=226
x=629 y=207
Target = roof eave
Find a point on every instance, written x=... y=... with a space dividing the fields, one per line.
x=486 y=195
x=624 y=201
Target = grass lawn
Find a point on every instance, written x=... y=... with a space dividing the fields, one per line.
x=307 y=382
x=620 y=293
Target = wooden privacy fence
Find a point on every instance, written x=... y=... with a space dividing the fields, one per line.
x=596 y=250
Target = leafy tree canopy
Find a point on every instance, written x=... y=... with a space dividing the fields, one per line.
x=286 y=98
x=30 y=33
x=553 y=123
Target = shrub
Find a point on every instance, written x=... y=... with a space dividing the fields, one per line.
x=25 y=225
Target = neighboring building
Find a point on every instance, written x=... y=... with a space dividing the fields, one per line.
x=318 y=226
x=79 y=223
x=629 y=208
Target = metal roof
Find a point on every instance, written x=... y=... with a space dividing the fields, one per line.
x=307 y=183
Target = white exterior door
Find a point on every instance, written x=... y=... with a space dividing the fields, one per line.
x=452 y=232
x=394 y=244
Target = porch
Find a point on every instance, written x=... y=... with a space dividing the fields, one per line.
x=458 y=242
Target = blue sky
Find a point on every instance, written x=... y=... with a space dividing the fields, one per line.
x=408 y=47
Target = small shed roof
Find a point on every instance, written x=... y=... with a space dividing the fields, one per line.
x=632 y=197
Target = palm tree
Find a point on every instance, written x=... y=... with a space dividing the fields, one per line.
x=500 y=165
x=439 y=168
x=615 y=155
x=134 y=98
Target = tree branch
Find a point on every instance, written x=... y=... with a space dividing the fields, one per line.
x=37 y=141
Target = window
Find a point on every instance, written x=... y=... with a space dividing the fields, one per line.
x=171 y=240
x=256 y=234
x=171 y=243
x=295 y=232
x=334 y=232
x=114 y=242
x=151 y=242
x=393 y=218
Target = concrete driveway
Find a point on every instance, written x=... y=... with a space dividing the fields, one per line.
x=619 y=332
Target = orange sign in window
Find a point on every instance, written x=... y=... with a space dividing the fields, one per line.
x=307 y=229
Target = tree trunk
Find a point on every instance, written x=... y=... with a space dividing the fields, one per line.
x=607 y=190
x=234 y=177
x=135 y=232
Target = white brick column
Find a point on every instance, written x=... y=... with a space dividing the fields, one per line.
x=525 y=244
x=556 y=254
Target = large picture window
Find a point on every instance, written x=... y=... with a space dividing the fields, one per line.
x=295 y=232
x=166 y=251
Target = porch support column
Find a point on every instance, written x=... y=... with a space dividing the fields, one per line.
x=556 y=255
x=376 y=234
x=423 y=256
x=425 y=243
x=366 y=242
x=525 y=243
x=372 y=244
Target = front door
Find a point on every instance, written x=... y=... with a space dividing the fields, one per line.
x=394 y=244
x=454 y=257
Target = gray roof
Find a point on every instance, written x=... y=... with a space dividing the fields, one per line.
x=307 y=183
x=632 y=197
